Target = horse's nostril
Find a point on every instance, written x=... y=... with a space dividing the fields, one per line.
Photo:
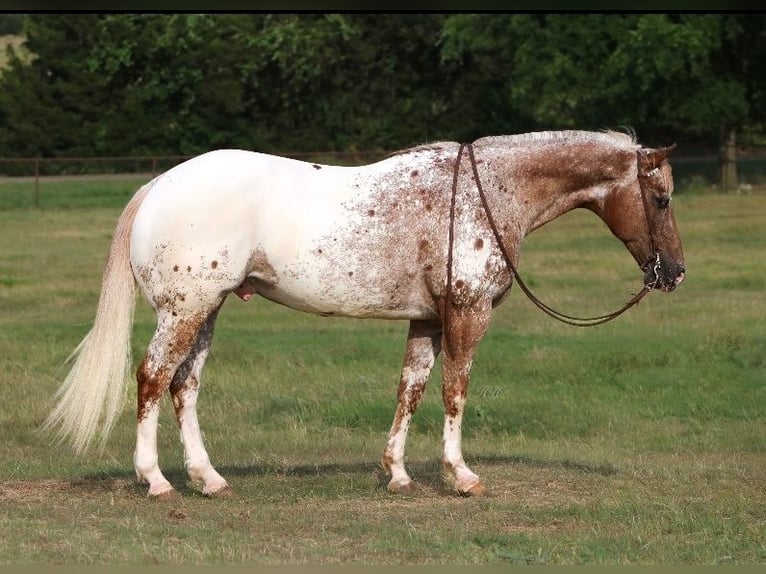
x=679 y=278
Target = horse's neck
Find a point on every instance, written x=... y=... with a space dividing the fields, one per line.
x=546 y=182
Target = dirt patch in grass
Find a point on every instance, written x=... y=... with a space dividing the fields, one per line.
x=531 y=486
x=36 y=490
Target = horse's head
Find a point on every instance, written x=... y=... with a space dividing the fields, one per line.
x=641 y=215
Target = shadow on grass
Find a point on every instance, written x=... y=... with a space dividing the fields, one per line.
x=426 y=473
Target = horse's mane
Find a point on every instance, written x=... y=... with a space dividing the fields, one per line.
x=622 y=139
x=432 y=146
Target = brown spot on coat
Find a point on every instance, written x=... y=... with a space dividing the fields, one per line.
x=150 y=386
x=478 y=244
x=175 y=267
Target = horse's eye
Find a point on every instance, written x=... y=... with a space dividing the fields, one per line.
x=662 y=201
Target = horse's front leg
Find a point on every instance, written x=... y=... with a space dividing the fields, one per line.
x=466 y=328
x=423 y=345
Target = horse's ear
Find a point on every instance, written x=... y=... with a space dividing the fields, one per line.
x=649 y=159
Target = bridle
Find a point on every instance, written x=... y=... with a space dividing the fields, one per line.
x=655 y=258
x=559 y=316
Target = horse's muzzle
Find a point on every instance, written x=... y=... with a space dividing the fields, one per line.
x=668 y=286
x=659 y=276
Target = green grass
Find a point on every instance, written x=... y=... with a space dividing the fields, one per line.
x=63 y=193
x=637 y=442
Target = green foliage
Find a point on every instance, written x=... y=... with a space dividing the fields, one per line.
x=48 y=105
x=661 y=74
x=346 y=81
x=128 y=84
x=674 y=69
x=182 y=84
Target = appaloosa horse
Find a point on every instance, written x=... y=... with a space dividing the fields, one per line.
x=408 y=237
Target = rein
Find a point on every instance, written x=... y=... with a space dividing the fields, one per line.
x=568 y=319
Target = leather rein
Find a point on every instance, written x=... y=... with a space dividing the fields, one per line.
x=559 y=316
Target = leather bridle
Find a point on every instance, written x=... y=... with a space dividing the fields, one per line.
x=559 y=316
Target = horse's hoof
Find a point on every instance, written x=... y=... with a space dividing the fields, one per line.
x=224 y=492
x=165 y=495
x=476 y=489
x=402 y=487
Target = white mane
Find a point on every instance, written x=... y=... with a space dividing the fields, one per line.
x=622 y=139
x=611 y=137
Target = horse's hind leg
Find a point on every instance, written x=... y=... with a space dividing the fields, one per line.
x=173 y=341
x=423 y=345
x=184 y=389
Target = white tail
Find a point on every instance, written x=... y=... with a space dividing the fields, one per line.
x=93 y=392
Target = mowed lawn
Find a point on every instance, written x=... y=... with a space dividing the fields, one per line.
x=637 y=442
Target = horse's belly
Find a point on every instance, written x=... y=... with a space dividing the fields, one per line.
x=346 y=291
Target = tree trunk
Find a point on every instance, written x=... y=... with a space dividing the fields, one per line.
x=727 y=160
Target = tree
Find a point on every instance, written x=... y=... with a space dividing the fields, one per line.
x=338 y=81
x=176 y=83
x=50 y=104
x=185 y=83
x=546 y=69
x=113 y=84
x=665 y=75
x=697 y=74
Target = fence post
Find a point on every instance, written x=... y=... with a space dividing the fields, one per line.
x=37 y=182
x=728 y=161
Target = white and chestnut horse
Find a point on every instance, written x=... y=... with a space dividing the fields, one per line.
x=403 y=238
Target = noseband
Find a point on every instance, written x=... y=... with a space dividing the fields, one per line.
x=568 y=319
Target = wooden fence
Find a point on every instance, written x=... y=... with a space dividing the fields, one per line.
x=37 y=168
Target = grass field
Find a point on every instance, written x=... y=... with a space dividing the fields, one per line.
x=637 y=442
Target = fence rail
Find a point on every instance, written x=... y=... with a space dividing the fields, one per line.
x=695 y=169
x=20 y=168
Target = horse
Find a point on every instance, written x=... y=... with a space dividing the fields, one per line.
x=403 y=238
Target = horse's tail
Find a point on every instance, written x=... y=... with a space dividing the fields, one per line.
x=93 y=392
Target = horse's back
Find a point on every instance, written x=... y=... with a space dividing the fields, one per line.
x=304 y=234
